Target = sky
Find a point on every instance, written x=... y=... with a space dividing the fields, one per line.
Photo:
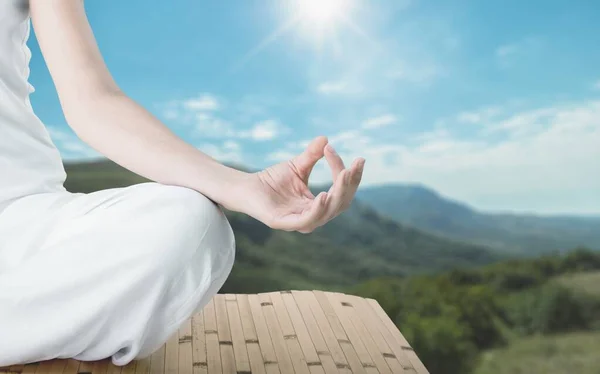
x=492 y=103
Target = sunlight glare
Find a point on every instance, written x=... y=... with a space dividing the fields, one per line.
x=322 y=13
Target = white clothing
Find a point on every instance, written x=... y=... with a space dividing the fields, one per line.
x=25 y=145
x=111 y=273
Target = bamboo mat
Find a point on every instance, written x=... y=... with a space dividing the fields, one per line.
x=276 y=332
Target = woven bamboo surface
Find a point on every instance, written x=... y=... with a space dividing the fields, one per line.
x=276 y=332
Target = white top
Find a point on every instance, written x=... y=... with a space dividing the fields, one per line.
x=29 y=161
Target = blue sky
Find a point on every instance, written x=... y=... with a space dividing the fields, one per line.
x=496 y=104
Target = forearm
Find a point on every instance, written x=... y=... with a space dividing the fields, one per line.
x=123 y=131
x=110 y=122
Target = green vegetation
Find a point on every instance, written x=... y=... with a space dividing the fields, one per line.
x=555 y=354
x=451 y=318
x=588 y=283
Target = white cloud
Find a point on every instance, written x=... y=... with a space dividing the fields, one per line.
x=480 y=115
x=231 y=145
x=280 y=155
x=421 y=73
x=71 y=147
x=338 y=88
x=543 y=160
x=380 y=121
x=350 y=140
x=507 y=50
x=507 y=54
x=209 y=126
x=204 y=102
x=265 y=130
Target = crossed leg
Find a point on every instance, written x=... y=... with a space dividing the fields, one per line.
x=108 y=274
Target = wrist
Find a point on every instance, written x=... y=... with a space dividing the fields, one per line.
x=225 y=185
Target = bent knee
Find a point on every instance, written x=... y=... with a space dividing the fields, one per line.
x=192 y=223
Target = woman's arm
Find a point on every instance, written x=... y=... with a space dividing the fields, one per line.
x=114 y=125
x=109 y=121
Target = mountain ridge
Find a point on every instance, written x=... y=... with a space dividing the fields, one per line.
x=426 y=209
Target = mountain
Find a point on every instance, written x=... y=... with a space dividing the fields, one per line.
x=356 y=246
x=425 y=209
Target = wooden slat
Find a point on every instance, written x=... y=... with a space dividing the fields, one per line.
x=299 y=332
x=31 y=368
x=172 y=354
x=72 y=367
x=283 y=356
x=14 y=368
x=242 y=362
x=200 y=365
x=85 y=367
x=359 y=332
x=224 y=333
x=185 y=348
x=313 y=330
x=324 y=308
x=246 y=318
x=417 y=363
x=331 y=340
x=264 y=336
x=100 y=367
x=397 y=336
x=393 y=353
x=143 y=366
x=308 y=347
x=213 y=352
x=222 y=319
x=257 y=364
x=387 y=322
x=112 y=369
x=353 y=337
x=289 y=334
x=157 y=361
x=58 y=366
x=45 y=366
x=127 y=369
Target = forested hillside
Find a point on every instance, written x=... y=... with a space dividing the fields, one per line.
x=460 y=320
x=518 y=234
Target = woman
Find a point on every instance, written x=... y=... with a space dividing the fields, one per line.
x=115 y=272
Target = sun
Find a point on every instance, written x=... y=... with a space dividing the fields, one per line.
x=318 y=20
x=322 y=14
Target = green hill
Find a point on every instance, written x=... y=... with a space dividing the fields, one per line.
x=558 y=354
x=588 y=283
x=358 y=245
x=425 y=209
x=454 y=319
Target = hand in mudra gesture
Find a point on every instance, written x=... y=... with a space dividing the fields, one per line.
x=281 y=199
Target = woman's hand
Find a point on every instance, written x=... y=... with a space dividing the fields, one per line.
x=280 y=198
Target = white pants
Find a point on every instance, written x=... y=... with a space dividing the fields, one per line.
x=108 y=274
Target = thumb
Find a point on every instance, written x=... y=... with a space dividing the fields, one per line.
x=305 y=161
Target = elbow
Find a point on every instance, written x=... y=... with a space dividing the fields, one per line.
x=83 y=109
